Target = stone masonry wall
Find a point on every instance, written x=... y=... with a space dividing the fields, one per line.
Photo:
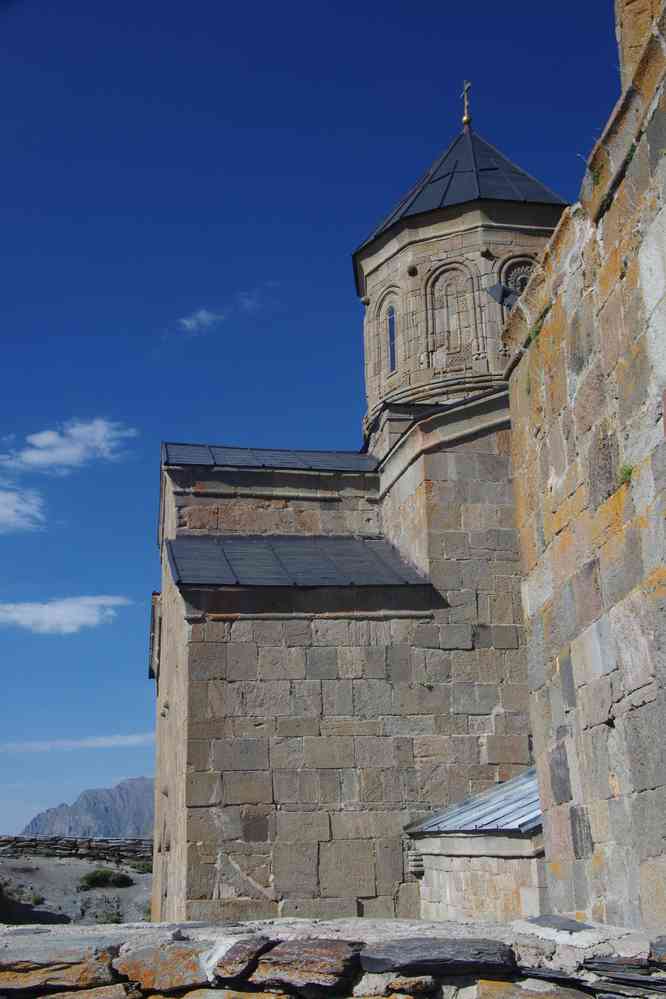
x=633 y=19
x=210 y=501
x=587 y=405
x=170 y=833
x=314 y=737
x=486 y=889
x=453 y=506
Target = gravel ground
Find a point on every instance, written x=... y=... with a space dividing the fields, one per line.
x=45 y=890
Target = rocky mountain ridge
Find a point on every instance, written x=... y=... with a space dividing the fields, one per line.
x=125 y=810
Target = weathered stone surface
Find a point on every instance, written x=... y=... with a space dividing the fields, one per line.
x=420 y=956
x=241 y=956
x=229 y=994
x=305 y=963
x=51 y=965
x=414 y=984
x=175 y=966
x=118 y=991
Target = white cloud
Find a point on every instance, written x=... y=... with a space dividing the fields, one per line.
x=91 y=742
x=73 y=445
x=20 y=510
x=61 y=617
x=202 y=319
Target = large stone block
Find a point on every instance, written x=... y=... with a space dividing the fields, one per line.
x=240 y=754
x=366 y=825
x=347 y=868
x=242 y=661
x=505 y=749
x=474 y=698
x=337 y=698
x=303 y=827
x=242 y=788
x=321 y=663
x=372 y=751
x=295 y=869
x=286 y=754
x=207 y=661
x=332 y=752
x=279 y=663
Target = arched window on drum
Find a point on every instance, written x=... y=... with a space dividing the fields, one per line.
x=391 y=331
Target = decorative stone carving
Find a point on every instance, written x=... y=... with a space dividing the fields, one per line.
x=517 y=274
x=454 y=324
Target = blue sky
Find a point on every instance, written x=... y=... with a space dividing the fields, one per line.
x=182 y=186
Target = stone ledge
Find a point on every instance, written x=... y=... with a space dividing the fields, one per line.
x=342 y=957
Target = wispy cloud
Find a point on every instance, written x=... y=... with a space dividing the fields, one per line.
x=248 y=302
x=200 y=321
x=75 y=444
x=91 y=742
x=20 y=510
x=61 y=617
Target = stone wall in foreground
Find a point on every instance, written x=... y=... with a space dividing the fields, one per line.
x=539 y=959
x=587 y=385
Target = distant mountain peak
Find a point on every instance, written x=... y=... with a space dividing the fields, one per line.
x=123 y=811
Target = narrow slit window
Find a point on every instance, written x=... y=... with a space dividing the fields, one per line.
x=390 y=322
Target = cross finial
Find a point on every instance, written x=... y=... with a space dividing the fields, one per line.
x=467 y=117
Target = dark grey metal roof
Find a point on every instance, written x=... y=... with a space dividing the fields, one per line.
x=470 y=170
x=220 y=456
x=510 y=807
x=283 y=560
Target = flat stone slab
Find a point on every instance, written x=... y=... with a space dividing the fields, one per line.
x=241 y=957
x=423 y=956
x=560 y=923
x=70 y=963
x=302 y=964
x=174 y=966
x=103 y=992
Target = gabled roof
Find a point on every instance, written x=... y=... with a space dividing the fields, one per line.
x=283 y=560
x=470 y=170
x=512 y=807
x=220 y=456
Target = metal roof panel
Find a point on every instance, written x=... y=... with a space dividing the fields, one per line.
x=469 y=170
x=510 y=807
x=222 y=456
x=286 y=560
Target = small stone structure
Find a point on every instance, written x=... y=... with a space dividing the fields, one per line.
x=483 y=859
x=116 y=851
x=346 y=958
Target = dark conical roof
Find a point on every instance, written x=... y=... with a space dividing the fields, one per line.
x=470 y=170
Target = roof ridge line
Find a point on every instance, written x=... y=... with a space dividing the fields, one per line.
x=469 y=134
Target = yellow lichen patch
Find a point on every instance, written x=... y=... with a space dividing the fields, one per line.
x=655 y=583
x=609 y=518
x=609 y=275
x=650 y=70
x=598 y=862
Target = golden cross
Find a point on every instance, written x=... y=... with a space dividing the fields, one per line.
x=467 y=117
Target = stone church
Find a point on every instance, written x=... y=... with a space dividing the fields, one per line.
x=340 y=647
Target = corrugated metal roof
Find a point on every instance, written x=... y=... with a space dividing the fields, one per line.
x=510 y=807
x=220 y=456
x=281 y=560
x=470 y=170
